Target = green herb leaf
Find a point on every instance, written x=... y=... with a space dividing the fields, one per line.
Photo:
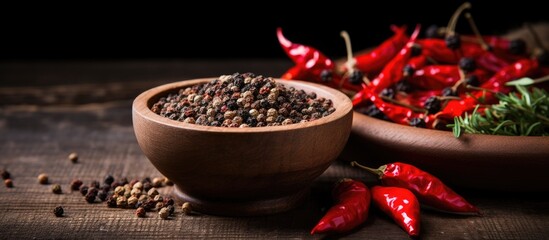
x=521 y=82
x=521 y=113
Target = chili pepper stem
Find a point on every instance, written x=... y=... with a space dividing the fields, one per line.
x=379 y=171
x=474 y=27
x=351 y=61
x=450 y=29
x=536 y=37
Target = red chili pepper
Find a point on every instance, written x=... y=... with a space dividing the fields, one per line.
x=401 y=205
x=437 y=50
x=430 y=190
x=510 y=50
x=351 y=209
x=417 y=98
x=417 y=62
x=396 y=113
x=392 y=72
x=441 y=76
x=484 y=59
x=373 y=62
x=521 y=68
x=309 y=64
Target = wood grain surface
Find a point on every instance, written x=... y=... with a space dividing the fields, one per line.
x=39 y=128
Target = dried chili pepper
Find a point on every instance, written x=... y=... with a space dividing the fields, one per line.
x=310 y=64
x=373 y=62
x=351 y=209
x=437 y=50
x=521 y=68
x=430 y=190
x=401 y=205
x=396 y=113
x=392 y=72
x=441 y=76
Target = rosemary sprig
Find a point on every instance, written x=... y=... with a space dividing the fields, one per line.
x=521 y=113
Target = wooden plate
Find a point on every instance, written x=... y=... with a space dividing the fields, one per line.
x=472 y=161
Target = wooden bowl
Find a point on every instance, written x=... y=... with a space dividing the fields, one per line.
x=241 y=171
x=474 y=161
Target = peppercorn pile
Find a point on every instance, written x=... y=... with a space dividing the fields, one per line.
x=243 y=100
x=140 y=195
x=424 y=82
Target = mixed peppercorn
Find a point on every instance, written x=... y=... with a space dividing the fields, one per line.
x=243 y=100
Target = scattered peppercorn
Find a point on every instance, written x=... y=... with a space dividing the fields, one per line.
x=58 y=211
x=132 y=202
x=8 y=182
x=102 y=195
x=171 y=209
x=90 y=197
x=111 y=202
x=5 y=174
x=164 y=213
x=94 y=184
x=229 y=101
x=73 y=157
x=186 y=208
x=108 y=179
x=76 y=184
x=140 y=212
x=43 y=178
x=169 y=182
x=157 y=182
x=56 y=188
x=152 y=192
x=84 y=190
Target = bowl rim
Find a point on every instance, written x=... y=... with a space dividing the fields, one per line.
x=434 y=133
x=141 y=103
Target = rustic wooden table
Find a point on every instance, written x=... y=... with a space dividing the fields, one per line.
x=49 y=109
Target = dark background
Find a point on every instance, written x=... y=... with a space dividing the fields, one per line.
x=210 y=30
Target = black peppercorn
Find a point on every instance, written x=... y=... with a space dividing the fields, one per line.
x=108 y=179
x=403 y=86
x=102 y=195
x=326 y=75
x=111 y=202
x=94 y=184
x=5 y=174
x=472 y=80
x=433 y=32
x=453 y=41
x=408 y=70
x=171 y=209
x=356 y=77
x=84 y=190
x=58 y=211
x=467 y=64
x=432 y=105
x=388 y=93
x=90 y=197
x=417 y=122
x=448 y=91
